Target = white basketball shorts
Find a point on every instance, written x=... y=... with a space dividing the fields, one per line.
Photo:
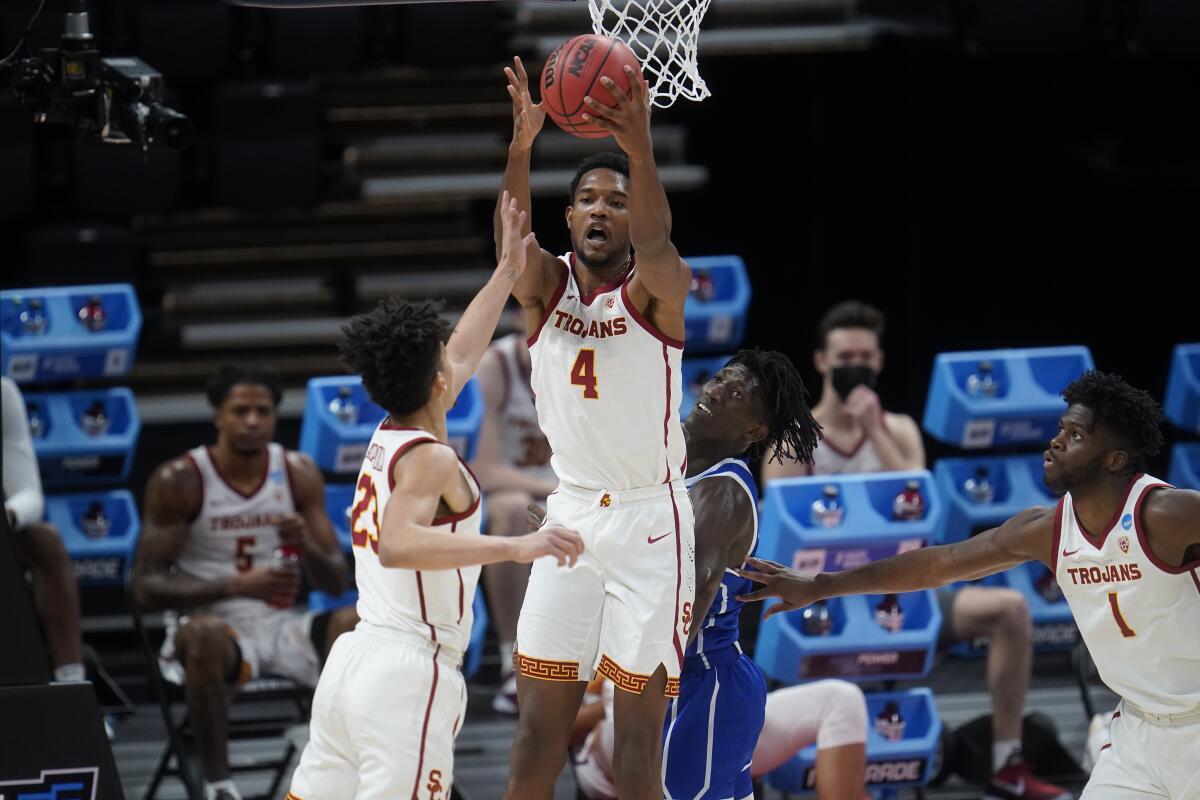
x=626 y=605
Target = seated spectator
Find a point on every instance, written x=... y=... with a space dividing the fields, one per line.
x=512 y=463
x=860 y=436
x=39 y=547
x=227 y=531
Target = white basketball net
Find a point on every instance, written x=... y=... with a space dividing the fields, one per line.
x=664 y=35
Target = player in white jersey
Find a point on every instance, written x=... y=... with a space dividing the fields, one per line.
x=391 y=698
x=1125 y=549
x=605 y=339
x=213 y=522
x=512 y=461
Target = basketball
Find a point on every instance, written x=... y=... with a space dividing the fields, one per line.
x=573 y=72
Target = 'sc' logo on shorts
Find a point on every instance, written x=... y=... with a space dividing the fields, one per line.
x=606 y=500
x=436 y=790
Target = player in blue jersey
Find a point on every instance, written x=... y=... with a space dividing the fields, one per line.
x=713 y=729
x=755 y=406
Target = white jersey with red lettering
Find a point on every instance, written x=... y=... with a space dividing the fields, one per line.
x=392 y=697
x=522 y=443
x=607 y=385
x=1138 y=616
x=235 y=532
x=435 y=604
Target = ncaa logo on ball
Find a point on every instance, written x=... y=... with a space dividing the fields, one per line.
x=1127 y=521
x=1123 y=543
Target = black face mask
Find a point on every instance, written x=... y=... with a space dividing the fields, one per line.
x=846 y=378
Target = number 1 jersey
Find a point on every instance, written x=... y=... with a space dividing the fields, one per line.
x=607 y=388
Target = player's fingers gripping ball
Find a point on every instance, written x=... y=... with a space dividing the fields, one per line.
x=573 y=72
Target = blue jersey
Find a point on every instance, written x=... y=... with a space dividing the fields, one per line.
x=720 y=626
x=712 y=728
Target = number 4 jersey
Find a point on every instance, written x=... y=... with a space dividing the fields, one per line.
x=1138 y=615
x=607 y=387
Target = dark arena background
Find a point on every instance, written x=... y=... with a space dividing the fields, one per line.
x=991 y=174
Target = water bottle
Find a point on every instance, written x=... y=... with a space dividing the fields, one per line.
x=33 y=317
x=827 y=510
x=909 y=505
x=816 y=620
x=889 y=615
x=703 y=287
x=285 y=557
x=982 y=383
x=979 y=488
x=95 y=522
x=343 y=406
x=37 y=420
x=95 y=419
x=890 y=724
x=92 y=314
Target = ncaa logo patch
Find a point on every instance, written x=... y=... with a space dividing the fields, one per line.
x=612 y=301
x=1123 y=543
x=1127 y=521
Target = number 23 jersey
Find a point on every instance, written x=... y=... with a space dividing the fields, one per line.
x=607 y=388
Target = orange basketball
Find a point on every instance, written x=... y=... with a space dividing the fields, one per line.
x=573 y=72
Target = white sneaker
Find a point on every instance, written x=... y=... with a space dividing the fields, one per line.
x=1098 y=736
x=505 y=699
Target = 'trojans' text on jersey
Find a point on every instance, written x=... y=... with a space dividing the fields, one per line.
x=596 y=330
x=1113 y=573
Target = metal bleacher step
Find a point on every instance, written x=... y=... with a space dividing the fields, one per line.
x=484 y=185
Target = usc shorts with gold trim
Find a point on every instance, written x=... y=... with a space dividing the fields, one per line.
x=625 y=607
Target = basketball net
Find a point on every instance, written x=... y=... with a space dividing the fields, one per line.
x=664 y=35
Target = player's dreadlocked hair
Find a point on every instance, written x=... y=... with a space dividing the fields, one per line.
x=617 y=162
x=397 y=350
x=230 y=375
x=1131 y=412
x=792 y=432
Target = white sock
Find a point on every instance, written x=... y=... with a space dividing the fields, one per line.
x=506 y=654
x=212 y=787
x=1002 y=751
x=70 y=673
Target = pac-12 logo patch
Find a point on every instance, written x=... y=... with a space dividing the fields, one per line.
x=1123 y=543
x=55 y=784
x=1127 y=521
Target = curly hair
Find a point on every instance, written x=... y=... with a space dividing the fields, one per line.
x=850 y=314
x=397 y=349
x=230 y=375
x=1132 y=413
x=792 y=431
x=617 y=162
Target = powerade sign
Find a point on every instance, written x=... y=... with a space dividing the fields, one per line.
x=901 y=770
x=54 y=784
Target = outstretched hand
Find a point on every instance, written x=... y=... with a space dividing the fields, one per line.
x=528 y=116
x=794 y=589
x=514 y=247
x=629 y=120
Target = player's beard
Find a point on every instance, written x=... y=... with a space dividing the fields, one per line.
x=610 y=267
x=1073 y=480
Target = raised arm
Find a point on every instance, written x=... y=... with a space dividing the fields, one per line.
x=535 y=286
x=1026 y=537
x=475 y=327
x=724 y=532
x=408 y=540
x=310 y=529
x=662 y=279
x=172 y=500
